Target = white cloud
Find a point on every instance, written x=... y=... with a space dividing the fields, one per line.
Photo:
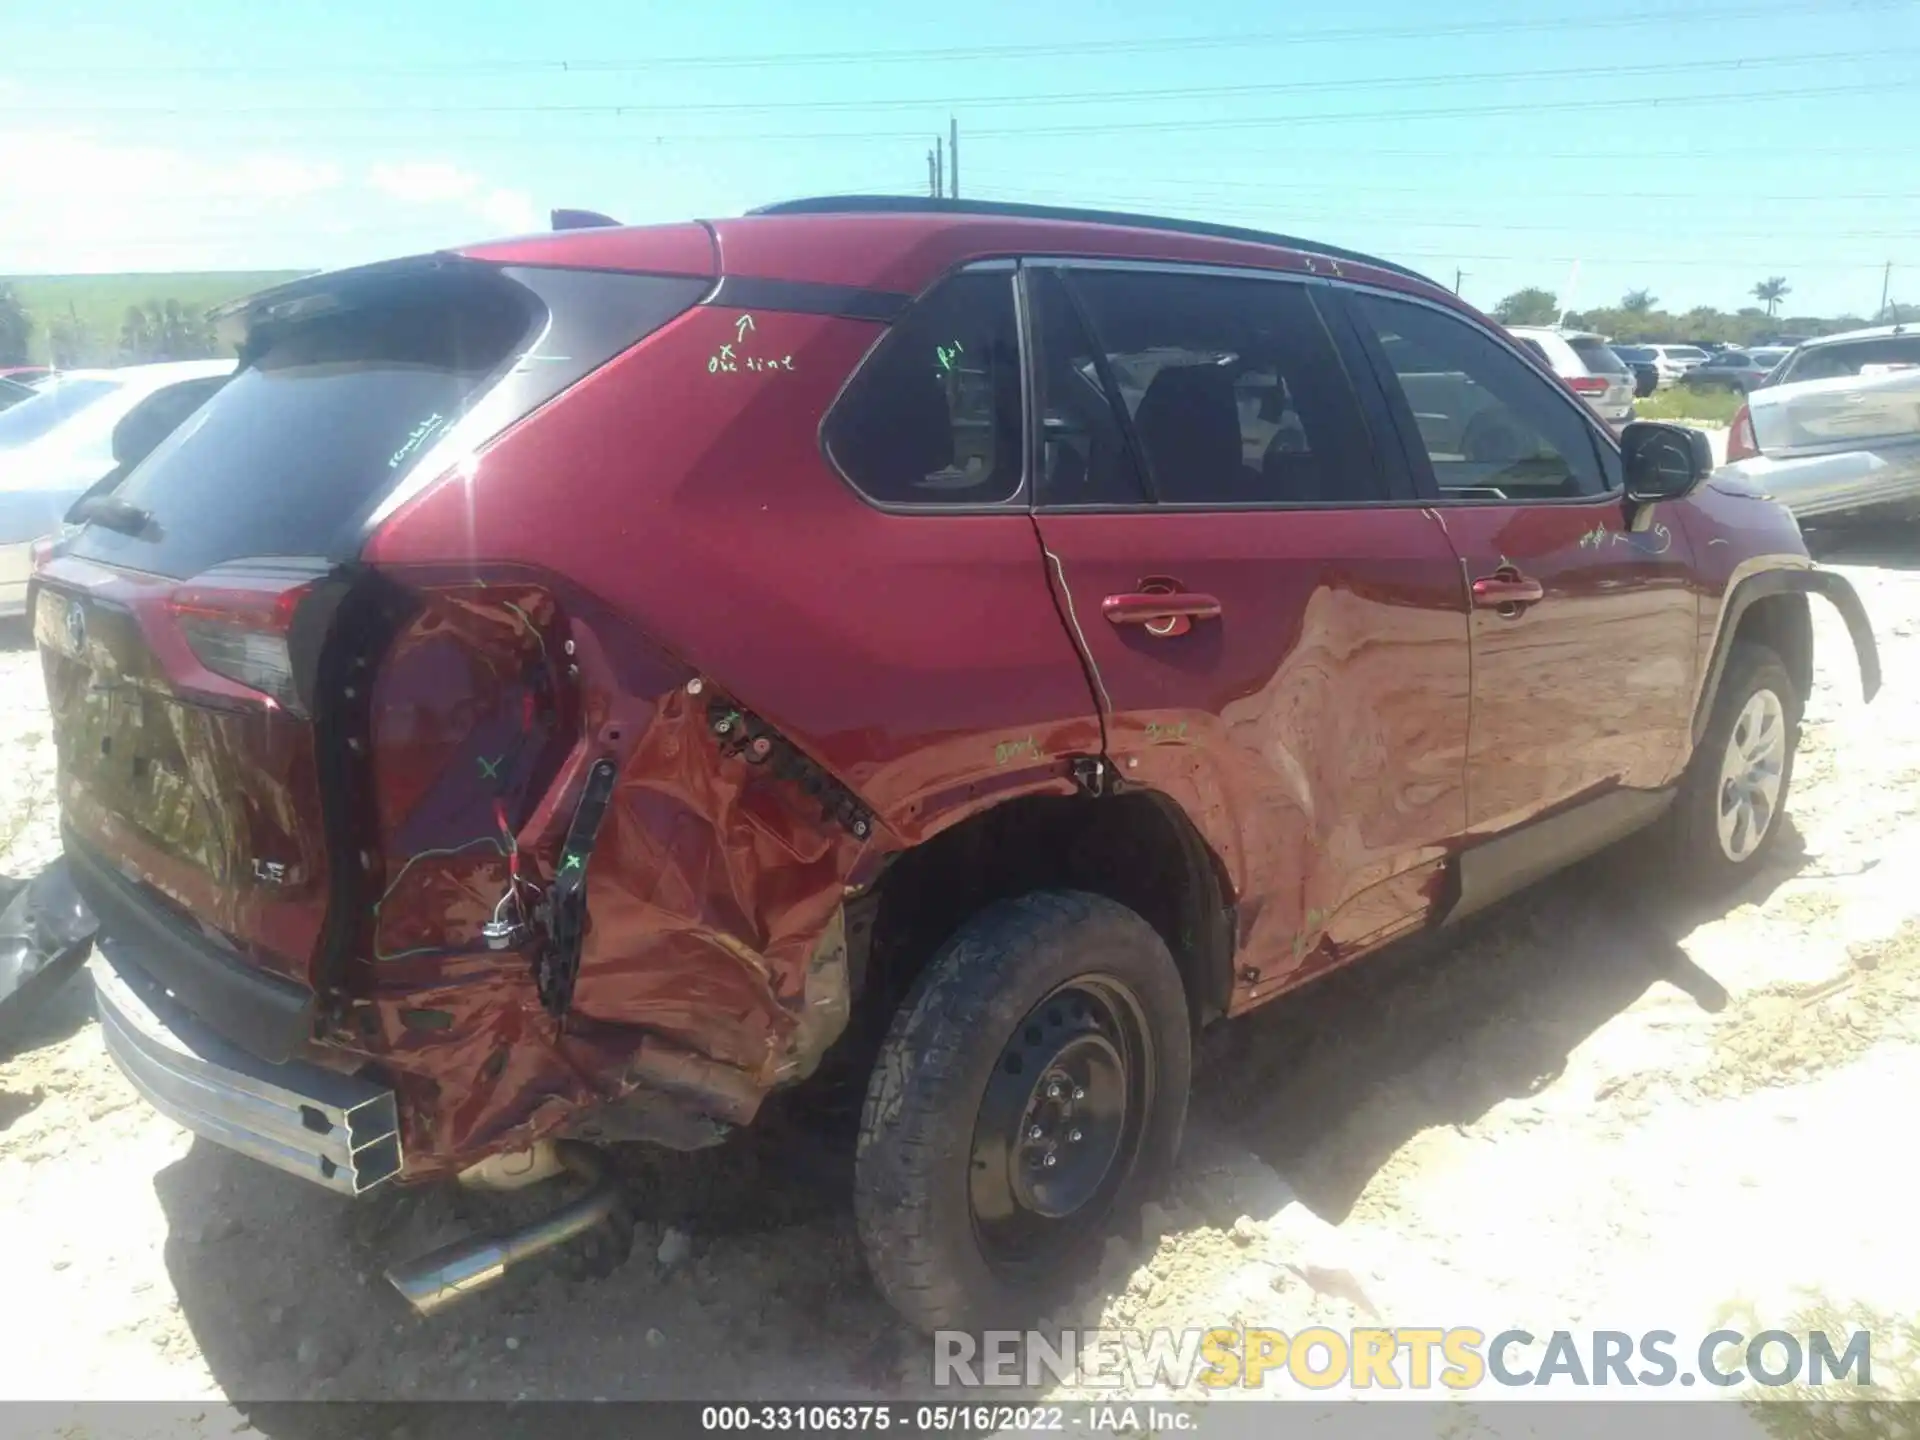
x=426 y=182
x=435 y=182
x=510 y=211
x=76 y=203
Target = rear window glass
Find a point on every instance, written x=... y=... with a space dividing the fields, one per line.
x=1832 y=362
x=327 y=418
x=306 y=438
x=933 y=417
x=52 y=405
x=1634 y=354
x=1598 y=357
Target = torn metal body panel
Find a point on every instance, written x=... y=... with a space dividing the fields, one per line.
x=665 y=870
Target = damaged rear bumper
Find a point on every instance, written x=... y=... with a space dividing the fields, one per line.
x=340 y=1131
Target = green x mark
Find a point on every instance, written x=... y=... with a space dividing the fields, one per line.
x=490 y=769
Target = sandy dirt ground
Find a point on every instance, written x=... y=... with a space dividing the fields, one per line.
x=1600 y=1104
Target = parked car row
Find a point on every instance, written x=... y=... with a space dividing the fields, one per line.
x=74 y=431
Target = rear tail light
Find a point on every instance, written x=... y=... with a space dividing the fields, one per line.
x=1741 y=444
x=237 y=625
x=40 y=552
x=1584 y=385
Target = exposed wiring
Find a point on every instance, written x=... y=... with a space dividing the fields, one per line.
x=504 y=842
x=502 y=846
x=532 y=629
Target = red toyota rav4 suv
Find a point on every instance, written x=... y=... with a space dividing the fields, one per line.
x=564 y=691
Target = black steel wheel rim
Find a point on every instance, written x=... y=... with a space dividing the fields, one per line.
x=1060 y=1123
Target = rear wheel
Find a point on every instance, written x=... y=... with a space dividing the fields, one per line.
x=1728 y=814
x=1028 y=1098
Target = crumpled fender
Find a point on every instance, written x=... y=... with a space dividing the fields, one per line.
x=1803 y=579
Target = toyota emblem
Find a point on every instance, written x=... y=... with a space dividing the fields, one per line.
x=77 y=626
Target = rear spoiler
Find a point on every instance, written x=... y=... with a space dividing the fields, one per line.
x=322 y=291
x=582 y=220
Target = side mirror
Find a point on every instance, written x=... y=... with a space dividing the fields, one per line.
x=1663 y=462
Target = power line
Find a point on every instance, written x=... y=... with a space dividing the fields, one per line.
x=1076 y=48
x=1291 y=185
x=1447 y=112
x=1059 y=97
x=1042 y=132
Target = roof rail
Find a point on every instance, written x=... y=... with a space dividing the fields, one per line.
x=936 y=205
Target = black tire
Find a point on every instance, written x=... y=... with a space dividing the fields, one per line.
x=1698 y=848
x=1017 y=980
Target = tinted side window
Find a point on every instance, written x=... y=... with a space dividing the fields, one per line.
x=1492 y=427
x=1232 y=390
x=933 y=417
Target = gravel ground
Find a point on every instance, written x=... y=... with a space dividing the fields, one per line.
x=1597 y=1105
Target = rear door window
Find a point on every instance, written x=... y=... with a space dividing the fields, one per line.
x=329 y=411
x=933 y=418
x=1195 y=390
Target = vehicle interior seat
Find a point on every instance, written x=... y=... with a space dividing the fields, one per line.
x=1189 y=425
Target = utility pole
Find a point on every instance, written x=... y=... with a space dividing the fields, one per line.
x=939 y=168
x=1458 y=276
x=953 y=157
x=1886 y=279
x=933 y=177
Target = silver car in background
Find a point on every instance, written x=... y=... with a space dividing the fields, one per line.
x=60 y=443
x=1835 y=435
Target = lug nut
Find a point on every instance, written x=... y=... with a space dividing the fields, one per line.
x=1073 y=1137
x=1053 y=1092
x=1079 y=1093
x=1051 y=1161
x=696 y=685
x=1034 y=1132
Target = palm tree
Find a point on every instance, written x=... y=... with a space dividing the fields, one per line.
x=165 y=330
x=1638 y=302
x=1771 y=292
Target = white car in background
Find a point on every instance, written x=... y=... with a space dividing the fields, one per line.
x=61 y=443
x=1587 y=366
x=1835 y=435
x=1674 y=361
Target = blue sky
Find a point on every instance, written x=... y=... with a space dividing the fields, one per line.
x=1689 y=149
